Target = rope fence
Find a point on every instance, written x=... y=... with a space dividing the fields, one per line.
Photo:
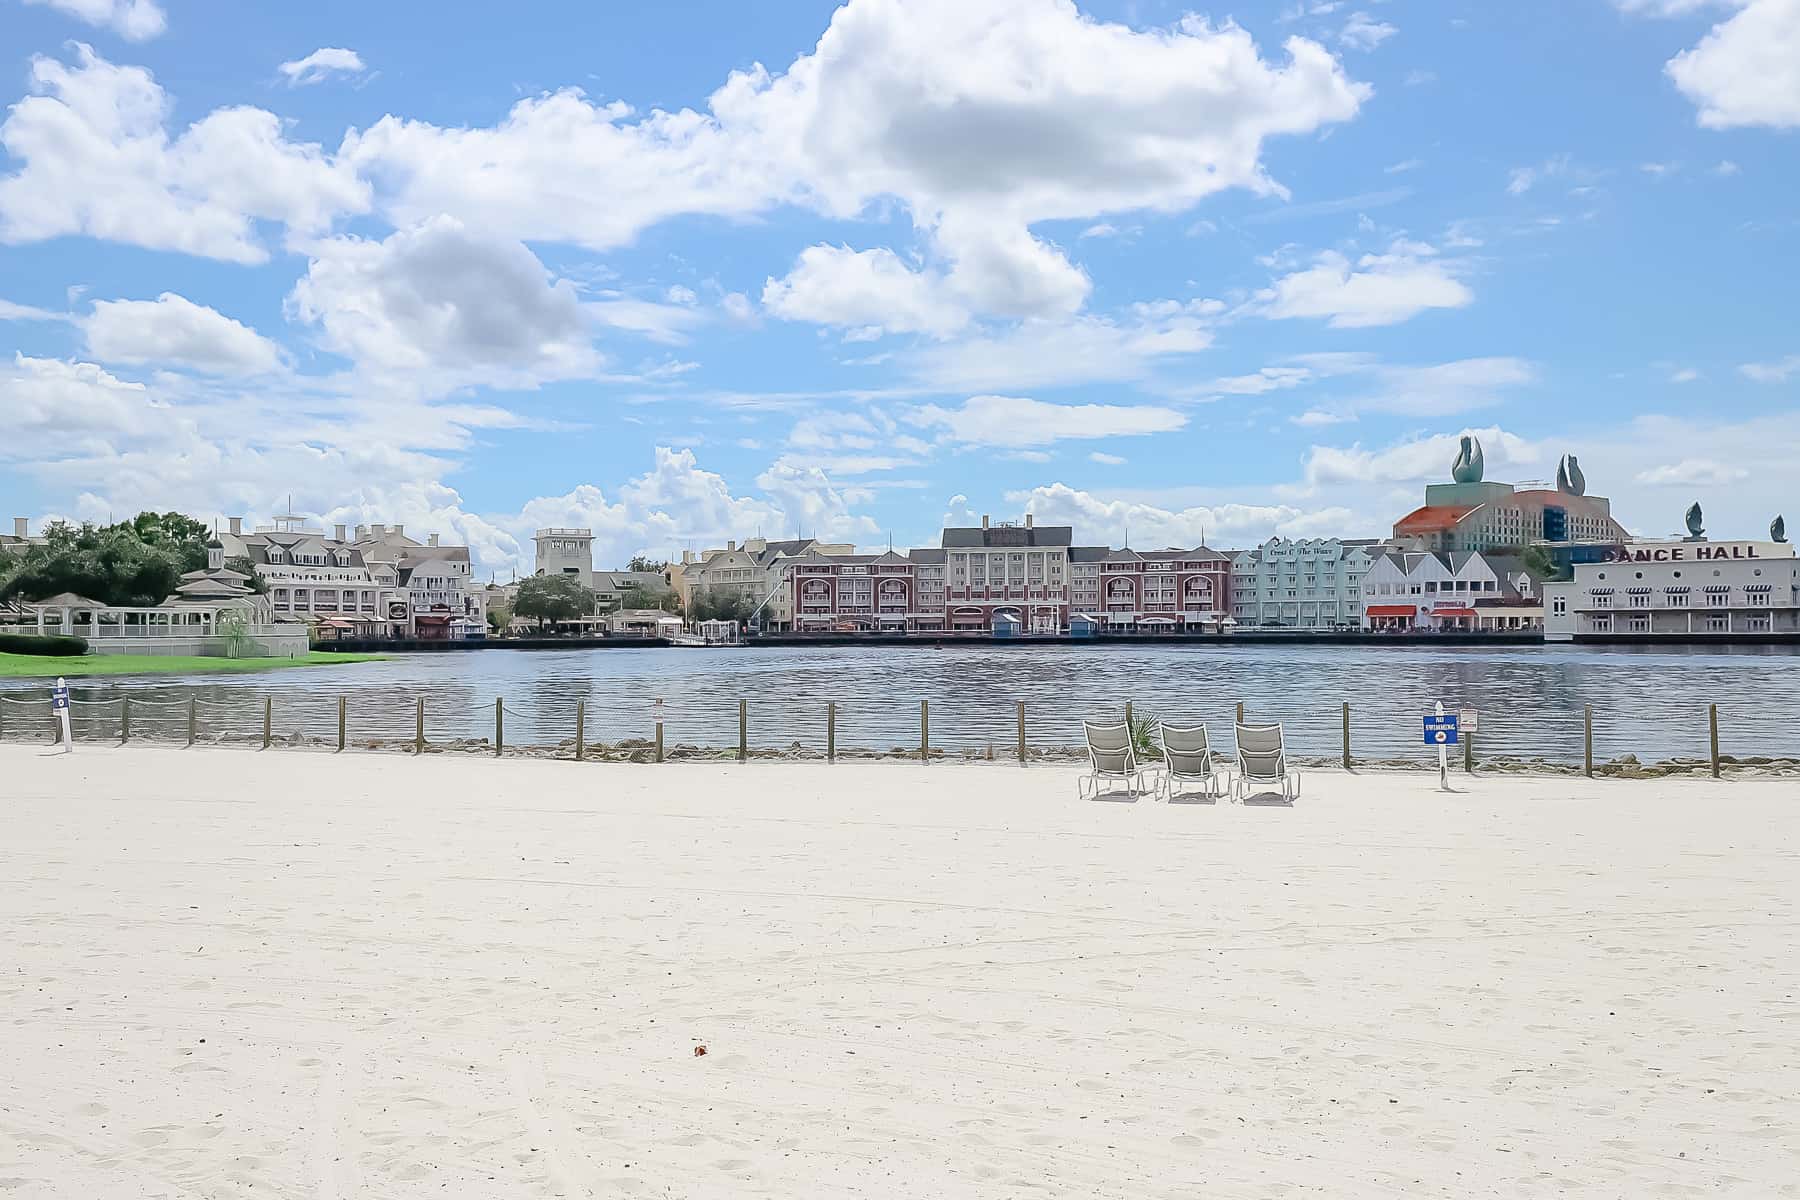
x=716 y=728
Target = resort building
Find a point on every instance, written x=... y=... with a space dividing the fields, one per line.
x=20 y=539
x=756 y=571
x=377 y=583
x=566 y=552
x=1154 y=591
x=859 y=593
x=1470 y=514
x=1309 y=583
x=1019 y=570
x=1415 y=590
x=1694 y=588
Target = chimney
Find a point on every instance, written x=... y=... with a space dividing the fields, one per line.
x=399 y=531
x=377 y=530
x=687 y=558
x=984 y=520
x=237 y=526
x=339 y=534
x=1028 y=520
x=434 y=538
x=362 y=531
x=730 y=545
x=21 y=527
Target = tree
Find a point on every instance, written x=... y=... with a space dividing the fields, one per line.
x=641 y=562
x=232 y=626
x=498 y=617
x=709 y=605
x=243 y=566
x=637 y=597
x=114 y=565
x=550 y=598
x=182 y=536
x=1538 y=561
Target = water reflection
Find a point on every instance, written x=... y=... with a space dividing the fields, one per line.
x=1650 y=701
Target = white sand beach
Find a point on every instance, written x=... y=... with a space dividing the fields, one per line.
x=233 y=974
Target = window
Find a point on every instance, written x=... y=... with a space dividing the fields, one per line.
x=1677 y=599
x=1716 y=624
x=1603 y=623
x=1718 y=599
x=1560 y=606
x=1640 y=600
x=1757 y=622
x=1603 y=600
x=1640 y=624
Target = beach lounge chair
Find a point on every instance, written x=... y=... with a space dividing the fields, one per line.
x=1263 y=764
x=1111 y=757
x=1188 y=766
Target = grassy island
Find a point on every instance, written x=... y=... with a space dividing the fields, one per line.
x=30 y=666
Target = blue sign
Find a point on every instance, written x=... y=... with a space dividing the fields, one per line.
x=59 y=699
x=1441 y=731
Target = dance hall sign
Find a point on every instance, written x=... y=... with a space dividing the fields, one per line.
x=1674 y=552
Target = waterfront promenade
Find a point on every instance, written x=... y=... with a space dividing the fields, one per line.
x=370 y=975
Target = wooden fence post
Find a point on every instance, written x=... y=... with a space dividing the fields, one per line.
x=499 y=726
x=1468 y=741
x=1021 y=733
x=1128 y=717
x=1240 y=716
x=659 y=729
x=419 y=733
x=1587 y=738
x=580 y=721
x=743 y=730
x=1712 y=721
x=125 y=723
x=924 y=731
x=341 y=724
x=268 y=720
x=193 y=720
x=831 y=731
x=1346 y=735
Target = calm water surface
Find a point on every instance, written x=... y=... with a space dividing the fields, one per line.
x=1650 y=701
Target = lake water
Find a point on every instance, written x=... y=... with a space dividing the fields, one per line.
x=1651 y=702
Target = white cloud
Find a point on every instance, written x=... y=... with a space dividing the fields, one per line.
x=173 y=331
x=1692 y=472
x=1399 y=168
x=1417 y=461
x=1148 y=525
x=1665 y=8
x=98 y=159
x=1069 y=351
x=980 y=118
x=834 y=285
x=1106 y=460
x=63 y=407
x=322 y=64
x=1746 y=71
x=1684 y=375
x=28 y=312
x=1363 y=32
x=1523 y=179
x=1779 y=371
x=1013 y=421
x=444 y=298
x=1378 y=289
x=133 y=20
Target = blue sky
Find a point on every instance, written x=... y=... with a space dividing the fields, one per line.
x=684 y=273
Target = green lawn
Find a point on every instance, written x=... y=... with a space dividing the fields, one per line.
x=32 y=666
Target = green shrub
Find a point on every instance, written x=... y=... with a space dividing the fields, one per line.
x=53 y=645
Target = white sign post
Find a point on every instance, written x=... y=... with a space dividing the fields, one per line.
x=59 y=706
x=1441 y=731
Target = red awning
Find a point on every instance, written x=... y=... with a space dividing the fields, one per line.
x=433 y=618
x=1390 y=610
x=1452 y=612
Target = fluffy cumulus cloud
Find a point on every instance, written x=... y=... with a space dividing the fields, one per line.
x=1016 y=421
x=1374 y=289
x=1419 y=460
x=97 y=158
x=1779 y=371
x=133 y=20
x=981 y=118
x=1060 y=352
x=321 y=64
x=863 y=290
x=173 y=331
x=444 y=298
x=1746 y=71
x=1147 y=525
x=61 y=408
